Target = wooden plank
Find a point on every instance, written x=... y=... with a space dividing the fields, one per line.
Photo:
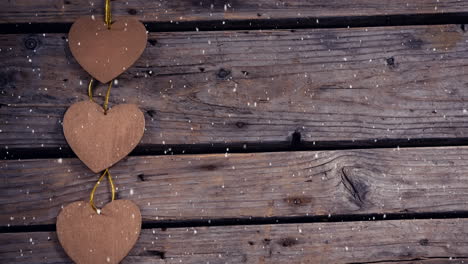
x=244 y=87
x=195 y=187
x=33 y=11
x=410 y=241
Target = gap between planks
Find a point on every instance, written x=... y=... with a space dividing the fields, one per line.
x=295 y=145
x=262 y=24
x=262 y=221
x=216 y=15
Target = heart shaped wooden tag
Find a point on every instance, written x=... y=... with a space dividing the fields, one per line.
x=108 y=237
x=106 y=53
x=101 y=140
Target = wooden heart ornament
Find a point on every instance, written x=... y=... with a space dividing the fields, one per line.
x=91 y=238
x=106 y=53
x=101 y=140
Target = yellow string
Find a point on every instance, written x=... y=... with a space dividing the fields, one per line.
x=106 y=99
x=109 y=177
x=90 y=90
x=108 y=16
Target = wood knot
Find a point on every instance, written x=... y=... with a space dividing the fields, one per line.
x=31 y=43
x=223 y=73
x=151 y=113
x=240 y=124
x=288 y=242
x=266 y=241
x=391 y=62
x=209 y=167
x=298 y=200
x=152 y=42
x=141 y=177
x=354 y=185
x=424 y=242
x=132 y=11
x=412 y=42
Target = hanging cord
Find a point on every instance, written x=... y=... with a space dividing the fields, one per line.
x=90 y=89
x=106 y=99
x=108 y=15
x=91 y=197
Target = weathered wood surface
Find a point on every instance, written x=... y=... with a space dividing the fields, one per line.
x=340 y=85
x=34 y=11
x=235 y=88
x=381 y=181
x=411 y=241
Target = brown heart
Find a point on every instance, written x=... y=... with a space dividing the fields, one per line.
x=101 y=140
x=106 y=53
x=89 y=238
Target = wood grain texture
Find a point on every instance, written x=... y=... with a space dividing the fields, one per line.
x=31 y=11
x=246 y=87
x=411 y=241
x=195 y=187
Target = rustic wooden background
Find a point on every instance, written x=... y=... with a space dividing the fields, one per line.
x=285 y=131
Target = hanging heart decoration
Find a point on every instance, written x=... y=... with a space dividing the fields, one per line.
x=100 y=137
x=92 y=238
x=106 y=52
x=101 y=140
